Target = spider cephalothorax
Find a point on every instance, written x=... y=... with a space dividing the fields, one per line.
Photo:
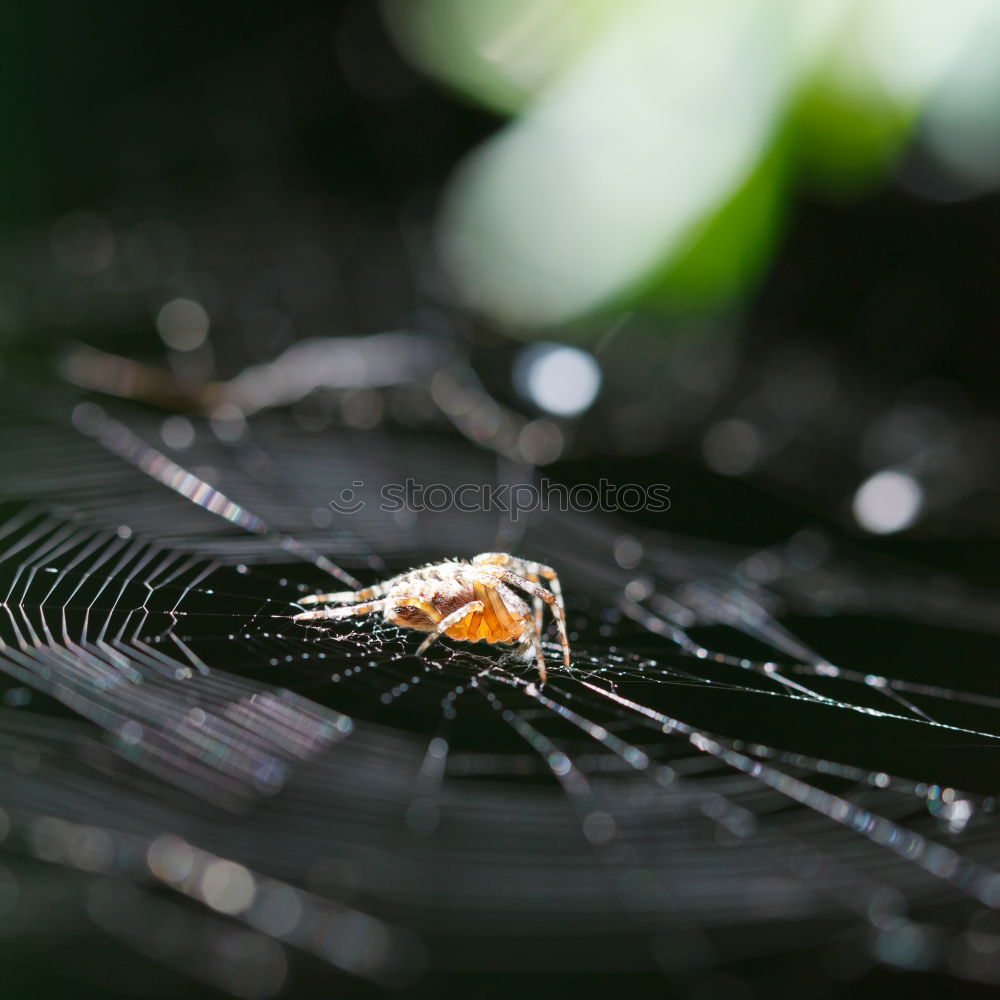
x=478 y=600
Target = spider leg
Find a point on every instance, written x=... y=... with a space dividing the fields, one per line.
x=348 y=611
x=532 y=571
x=533 y=642
x=526 y=567
x=536 y=602
x=350 y=596
x=446 y=623
x=341 y=597
x=550 y=575
x=493 y=558
x=553 y=600
x=353 y=596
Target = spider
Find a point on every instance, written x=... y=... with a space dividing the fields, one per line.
x=475 y=600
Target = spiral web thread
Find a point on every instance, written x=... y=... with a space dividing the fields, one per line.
x=321 y=791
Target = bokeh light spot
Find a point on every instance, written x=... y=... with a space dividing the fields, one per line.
x=562 y=380
x=887 y=501
x=183 y=324
x=731 y=447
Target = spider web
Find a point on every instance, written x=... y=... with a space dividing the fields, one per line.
x=709 y=785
